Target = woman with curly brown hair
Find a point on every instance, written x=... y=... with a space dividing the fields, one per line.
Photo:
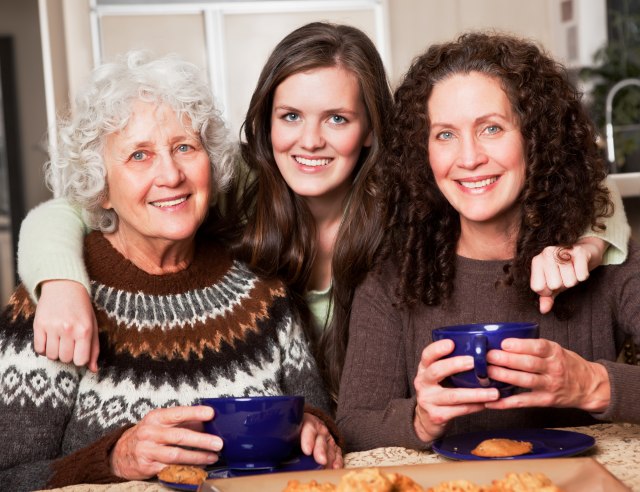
x=494 y=160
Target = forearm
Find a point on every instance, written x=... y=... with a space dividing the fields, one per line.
x=91 y=464
x=624 y=382
x=50 y=246
x=392 y=425
x=375 y=405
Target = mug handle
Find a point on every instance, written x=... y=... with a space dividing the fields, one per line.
x=480 y=360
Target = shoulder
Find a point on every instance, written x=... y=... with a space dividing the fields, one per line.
x=628 y=271
x=632 y=263
x=380 y=283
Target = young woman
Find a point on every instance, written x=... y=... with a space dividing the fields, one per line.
x=504 y=163
x=316 y=131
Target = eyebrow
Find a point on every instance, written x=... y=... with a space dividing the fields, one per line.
x=285 y=107
x=476 y=120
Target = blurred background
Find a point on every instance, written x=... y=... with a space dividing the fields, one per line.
x=47 y=48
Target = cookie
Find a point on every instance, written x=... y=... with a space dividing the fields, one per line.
x=364 y=480
x=456 y=486
x=189 y=475
x=501 y=448
x=312 y=486
x=523 y=482
x=402 y=483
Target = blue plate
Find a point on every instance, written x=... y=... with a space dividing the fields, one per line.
x=300 y=463
x=547 y=443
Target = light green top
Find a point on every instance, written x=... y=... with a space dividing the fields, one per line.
x=51 y=239
x=319 y=302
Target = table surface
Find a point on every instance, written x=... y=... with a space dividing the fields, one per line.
x=617 y=448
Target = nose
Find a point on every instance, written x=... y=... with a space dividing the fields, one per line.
x=169 y=172
x=472 y=153
x=312 y=137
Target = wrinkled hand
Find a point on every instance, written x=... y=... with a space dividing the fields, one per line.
x=316 y=439
x=437 y=405
x=557 y=377
x=65 y=325
x=159 y=440
x=556 y=269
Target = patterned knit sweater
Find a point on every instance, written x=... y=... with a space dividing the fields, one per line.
x=213 y=329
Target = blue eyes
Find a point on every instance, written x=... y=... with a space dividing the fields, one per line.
x=143 y=155
x=489 y=130
x=334 y=119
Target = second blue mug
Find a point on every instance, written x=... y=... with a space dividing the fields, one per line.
x=476 y=339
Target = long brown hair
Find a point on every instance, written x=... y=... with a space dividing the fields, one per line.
x=280 y=237
x=563 y=192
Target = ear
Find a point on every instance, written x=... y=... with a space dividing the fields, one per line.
x=106 y=203
x=368 y=141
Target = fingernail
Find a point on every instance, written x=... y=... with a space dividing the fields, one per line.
x=216 y=444
x=212 y=458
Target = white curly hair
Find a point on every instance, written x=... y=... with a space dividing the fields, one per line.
x=76 y=169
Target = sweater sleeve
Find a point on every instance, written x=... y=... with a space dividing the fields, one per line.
x=624 y=379
x=50 y=246
x=376 y=404
x=91 y=464
x=37 y=398
x=300 y=374
x=618 y=231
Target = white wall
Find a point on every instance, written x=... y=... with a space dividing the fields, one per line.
x=19 y=19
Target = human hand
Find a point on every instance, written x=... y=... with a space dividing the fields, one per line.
x=316 y=439
x=437 y=405
x=65 y=325
x=163 y=437
x=556 y=269
x=557 y=377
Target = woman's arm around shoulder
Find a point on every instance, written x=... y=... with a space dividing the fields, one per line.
x=556 y=269
x=50 y=245
x=51 y=264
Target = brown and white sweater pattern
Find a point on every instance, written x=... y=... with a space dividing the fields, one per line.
x=214 y=329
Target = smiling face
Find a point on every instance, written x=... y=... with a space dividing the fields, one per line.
x=476 y=149
x=158 y=177
x=318 y=128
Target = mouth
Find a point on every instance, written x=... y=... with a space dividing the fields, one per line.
x=478 y=184
x=171 y=202
x=319 y=162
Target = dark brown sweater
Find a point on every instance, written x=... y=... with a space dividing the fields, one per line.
x=377 y=397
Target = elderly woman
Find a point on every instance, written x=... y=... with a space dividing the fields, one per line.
x=179 y=319
x=496 y=160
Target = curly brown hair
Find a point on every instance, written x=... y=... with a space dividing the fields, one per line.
x=563 y=192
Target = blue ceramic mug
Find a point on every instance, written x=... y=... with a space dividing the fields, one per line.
x=476 y=340
x=256 y=431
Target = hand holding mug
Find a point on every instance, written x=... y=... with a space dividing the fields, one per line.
x=437 y=404
x=476 y=340
x=555 y=376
